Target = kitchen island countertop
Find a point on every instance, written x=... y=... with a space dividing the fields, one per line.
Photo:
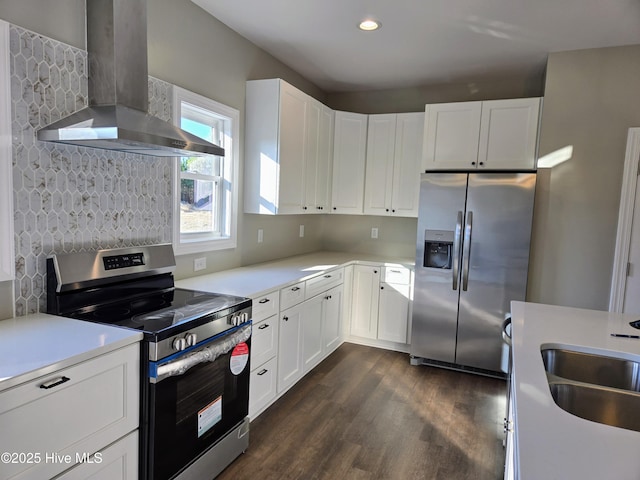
x=551 y=443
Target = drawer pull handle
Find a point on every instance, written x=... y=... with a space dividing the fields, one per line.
x=328 y=297
x=264 y=300
x=262 y=327
x=327 y=276
x=54 y=383
x=262 y=372
x=395 y=271
x=285 y=318
x=295 y=289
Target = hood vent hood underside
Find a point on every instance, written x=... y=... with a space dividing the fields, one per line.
x=117 y=117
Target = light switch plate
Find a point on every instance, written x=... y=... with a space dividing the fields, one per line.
x=374 y=232
x=301 y=231
x=260 y=235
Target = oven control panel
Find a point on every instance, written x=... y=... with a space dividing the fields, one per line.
x=123 y=261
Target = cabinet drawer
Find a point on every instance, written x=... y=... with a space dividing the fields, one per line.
x=324 y=282
x=291 y=295
x=264 y=341
x=262 y=387
x=116 y=462
x=72 y=411
x=395 y=274
x=265 y=306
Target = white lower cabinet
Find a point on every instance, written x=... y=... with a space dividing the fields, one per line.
x=73 y=413
x=118 y=461
x=309 y=331
x=264 y=350
x=262 y=387
x=379 y=308
x=290 y=347
x=393 y=312
x=364 y=309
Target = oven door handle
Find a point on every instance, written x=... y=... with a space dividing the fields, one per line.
x=178 y=364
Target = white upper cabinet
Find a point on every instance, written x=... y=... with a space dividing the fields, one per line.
x=349 y=155
x=497 y=134
x=393 y=166
x=451 y=135
x=288 y=141
x=319 y=158
x=509 y=134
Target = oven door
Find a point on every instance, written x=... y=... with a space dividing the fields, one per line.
x=195 y=398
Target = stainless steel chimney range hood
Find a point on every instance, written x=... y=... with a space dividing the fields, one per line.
x=117 y=116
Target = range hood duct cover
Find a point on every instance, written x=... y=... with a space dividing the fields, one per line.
x=117 y=116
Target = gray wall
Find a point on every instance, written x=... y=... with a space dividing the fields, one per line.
x=591 y=100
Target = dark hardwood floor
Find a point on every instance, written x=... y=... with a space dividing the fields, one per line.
x=366 y=413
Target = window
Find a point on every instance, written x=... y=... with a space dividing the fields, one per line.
x=206 y=187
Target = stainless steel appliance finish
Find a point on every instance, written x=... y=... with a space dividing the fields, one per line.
x=117 y=117
x=194 y=354
x=472 y=259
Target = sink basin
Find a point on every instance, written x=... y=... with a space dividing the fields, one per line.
x=594 y=369
x=617 y=408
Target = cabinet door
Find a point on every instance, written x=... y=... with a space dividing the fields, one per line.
x=332 y=320
x=319 y=157
x=393 y=314
x=312 y=332
x=509 y=134
x=381 y=137
x=407 y=162
x=364 y=312
x=451 y=136
x=292 y=140
x=350 y=141
x=289 y=348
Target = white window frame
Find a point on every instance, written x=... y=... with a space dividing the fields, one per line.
x=7 y=259
x=184 y=244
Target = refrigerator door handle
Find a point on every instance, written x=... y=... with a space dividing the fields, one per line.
x=456 y=250
x=466 y=250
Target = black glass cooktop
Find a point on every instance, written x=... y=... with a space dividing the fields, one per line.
x=168 y=311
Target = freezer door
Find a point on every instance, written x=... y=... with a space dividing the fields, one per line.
x=438 y=250
x=495 y=259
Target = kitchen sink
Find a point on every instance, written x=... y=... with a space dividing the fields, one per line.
x=594 y=369
x=618 y=408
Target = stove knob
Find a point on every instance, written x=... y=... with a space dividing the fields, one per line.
x=179 y=344
x=191 y=339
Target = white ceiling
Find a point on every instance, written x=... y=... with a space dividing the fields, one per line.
x=424 y=42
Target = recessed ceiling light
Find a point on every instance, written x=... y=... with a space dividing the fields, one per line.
x=369 y=25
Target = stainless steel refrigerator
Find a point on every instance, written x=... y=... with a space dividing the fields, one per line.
x=472 y=258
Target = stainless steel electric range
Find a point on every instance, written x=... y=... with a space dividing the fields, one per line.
x=194 y=355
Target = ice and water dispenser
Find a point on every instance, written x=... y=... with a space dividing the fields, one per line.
x=438 y=249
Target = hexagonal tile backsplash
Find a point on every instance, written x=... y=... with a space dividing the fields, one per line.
x=72 y=199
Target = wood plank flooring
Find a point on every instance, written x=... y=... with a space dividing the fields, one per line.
x=366 y=413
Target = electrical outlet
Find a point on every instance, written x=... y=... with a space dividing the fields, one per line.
x=260 y=235
x=301 y=231
x=374 y=232
x=199 y=264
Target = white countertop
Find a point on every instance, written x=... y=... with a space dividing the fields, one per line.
x=551 y=443
x=40 y=344
x=256 y=280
